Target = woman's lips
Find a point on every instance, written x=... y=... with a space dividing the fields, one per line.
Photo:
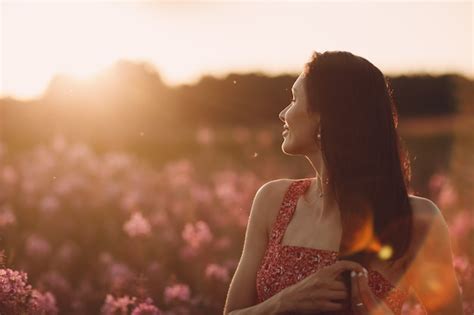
x=285 y=132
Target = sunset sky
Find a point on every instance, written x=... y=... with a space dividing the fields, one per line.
x=185 y=40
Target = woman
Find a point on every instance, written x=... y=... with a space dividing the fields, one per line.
x=304 y=236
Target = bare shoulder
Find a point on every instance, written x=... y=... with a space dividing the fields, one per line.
x=427 y=219
x=425 y=210
x=275 y=187
x=270 y=196
x=433 y=260
x=430 y=231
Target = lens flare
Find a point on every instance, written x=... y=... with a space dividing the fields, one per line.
x=385 y=252
x=363 y=237
x=436 y=286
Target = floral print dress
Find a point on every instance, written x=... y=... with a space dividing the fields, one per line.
x=284 y=265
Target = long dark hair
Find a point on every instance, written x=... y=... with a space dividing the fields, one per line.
x=367 y=164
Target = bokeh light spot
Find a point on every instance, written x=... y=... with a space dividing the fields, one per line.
x=385 y=252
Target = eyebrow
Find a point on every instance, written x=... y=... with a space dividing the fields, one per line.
x=293 y=90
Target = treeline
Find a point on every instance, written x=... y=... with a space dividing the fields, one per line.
x=129 y=103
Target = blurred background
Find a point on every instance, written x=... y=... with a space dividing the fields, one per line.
x=134 y=135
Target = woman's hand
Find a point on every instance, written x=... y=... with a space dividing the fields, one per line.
x=321 y=291
x=364 y=302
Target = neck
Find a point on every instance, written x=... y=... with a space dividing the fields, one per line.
x=326 y=204
x=319 y=191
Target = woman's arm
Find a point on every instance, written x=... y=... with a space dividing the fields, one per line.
x=432 y=274
x=272 y=305
x=242 y=294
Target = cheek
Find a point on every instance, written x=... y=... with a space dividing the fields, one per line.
x=295 y=117
x=302 y=133
x=300 y=123
x=307 y=131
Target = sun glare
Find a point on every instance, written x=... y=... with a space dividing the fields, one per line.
x=74 y=39
x=188 y=40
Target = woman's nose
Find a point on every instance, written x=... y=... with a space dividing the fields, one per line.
x=282 y=114
x=282 y=118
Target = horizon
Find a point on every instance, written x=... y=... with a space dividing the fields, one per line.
x=246 y=45
x=218 y=76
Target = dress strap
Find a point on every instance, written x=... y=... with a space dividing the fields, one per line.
x=287 y=208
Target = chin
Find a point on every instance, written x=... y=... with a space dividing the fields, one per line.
x=289 y=149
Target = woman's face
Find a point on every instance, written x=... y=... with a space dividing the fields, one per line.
x=299 y=127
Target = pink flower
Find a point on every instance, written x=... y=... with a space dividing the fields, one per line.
x=146 y=308
x=409 y=309
x=226 y=191
x=461 y=224
x=179 y=174
x=37 y=246
x=197 y=234
x=447 y=196
x=461 y=263
x=119 y=270
x=137 y=225
x=177 y=292
x=14 y=291
x=42 y=303
x=119 y=275
x=218 y=272
x=436 y=182
x=205 y=136
x=112 y=306
x=7 y=217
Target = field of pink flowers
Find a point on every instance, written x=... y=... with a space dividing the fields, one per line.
x=89 y=233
